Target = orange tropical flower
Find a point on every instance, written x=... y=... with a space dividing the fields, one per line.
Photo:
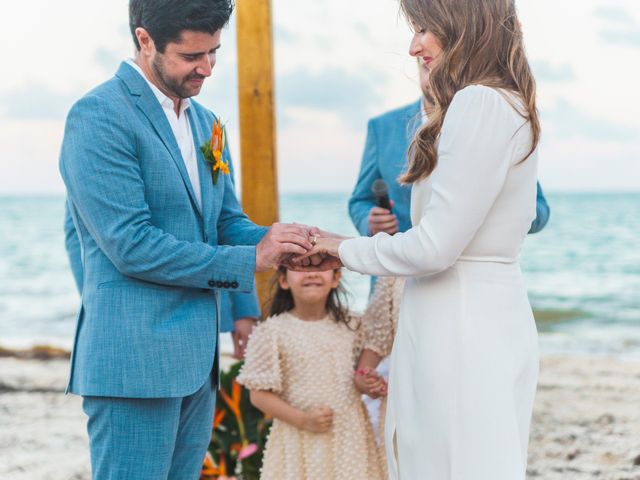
x=216 y=135
x=222 y=467
x=209 y=468
x=235 y=409
x=224 y=168
x=213 y=150
x=233 y=402
x=217 y=419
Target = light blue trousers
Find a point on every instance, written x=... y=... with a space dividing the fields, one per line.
x=150 y=439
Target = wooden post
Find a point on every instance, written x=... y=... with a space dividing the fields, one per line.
x=257 y=117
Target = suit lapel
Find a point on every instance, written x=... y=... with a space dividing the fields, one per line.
x=151 y=108
x=149 y=105
x=209 y=196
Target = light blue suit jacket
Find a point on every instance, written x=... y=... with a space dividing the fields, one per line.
x=385 y=157
x=233 y=305
x=154 y=263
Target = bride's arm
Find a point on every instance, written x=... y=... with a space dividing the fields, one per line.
x=474 y=157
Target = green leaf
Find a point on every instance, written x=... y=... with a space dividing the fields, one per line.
x=205 y=148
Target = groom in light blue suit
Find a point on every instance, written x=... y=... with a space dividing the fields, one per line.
x=160 y=239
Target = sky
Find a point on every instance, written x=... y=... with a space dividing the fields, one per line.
x=337 y=64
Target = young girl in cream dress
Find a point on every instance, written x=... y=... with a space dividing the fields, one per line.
x=299 y=368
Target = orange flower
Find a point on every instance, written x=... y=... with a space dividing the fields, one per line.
x=222 y=467
x=213 y=151
x=216 y=136
x=209 y=468
x=233 y=402
x=217 y=419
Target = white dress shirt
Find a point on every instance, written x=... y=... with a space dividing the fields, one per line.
x=181 y=129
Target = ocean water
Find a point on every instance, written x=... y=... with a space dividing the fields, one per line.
x=583 y=270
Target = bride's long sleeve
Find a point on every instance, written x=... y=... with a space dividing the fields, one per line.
x=475 y=152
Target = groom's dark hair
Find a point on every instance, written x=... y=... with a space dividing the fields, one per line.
x=165 y=20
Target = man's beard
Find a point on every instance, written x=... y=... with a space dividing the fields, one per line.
x=174 y=86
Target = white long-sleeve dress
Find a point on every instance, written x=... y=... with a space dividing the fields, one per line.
x=464 y=363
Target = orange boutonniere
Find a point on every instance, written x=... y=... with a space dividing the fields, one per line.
x=213 y=151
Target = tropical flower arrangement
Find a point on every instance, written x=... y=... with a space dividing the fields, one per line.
x=213 y=150
x=239 y=433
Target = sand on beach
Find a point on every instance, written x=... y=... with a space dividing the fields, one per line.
x=586 y=421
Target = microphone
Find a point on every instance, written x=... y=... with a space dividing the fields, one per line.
x=380 y=191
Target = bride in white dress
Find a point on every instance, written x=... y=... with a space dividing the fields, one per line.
x=464 y=364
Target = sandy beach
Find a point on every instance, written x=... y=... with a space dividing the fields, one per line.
x=586 y=421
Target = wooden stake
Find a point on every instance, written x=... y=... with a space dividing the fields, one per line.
x=257 y=118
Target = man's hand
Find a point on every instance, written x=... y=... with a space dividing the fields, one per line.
x=318 y=420
x=281 y=241
x=240 y=336
x=382 y=220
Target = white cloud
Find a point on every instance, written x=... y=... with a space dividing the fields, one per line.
x=622 y=27
x=29 y=157
x=548 y=72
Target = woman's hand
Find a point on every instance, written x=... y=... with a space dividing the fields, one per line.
x=327 y=246
x=322 y=256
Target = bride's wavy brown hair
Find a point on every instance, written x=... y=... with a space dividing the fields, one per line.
x=481 y=45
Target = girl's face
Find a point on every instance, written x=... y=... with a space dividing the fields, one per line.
x=310 y=287
x=426 y=47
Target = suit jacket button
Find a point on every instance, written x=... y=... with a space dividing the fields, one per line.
x=212 y=283
x=226 y=285
x=234 y=285
x=219 y=284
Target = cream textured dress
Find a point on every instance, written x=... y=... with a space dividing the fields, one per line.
x=464 y=363
x=380 y=322
x=311 y=364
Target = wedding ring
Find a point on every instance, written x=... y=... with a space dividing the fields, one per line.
x=314 y=240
